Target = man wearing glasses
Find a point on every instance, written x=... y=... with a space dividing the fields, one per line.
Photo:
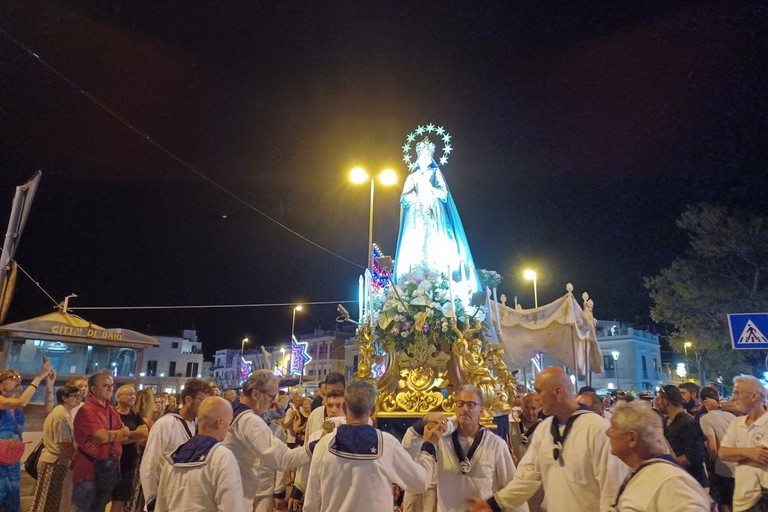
x=568 y=455
x=746 y=443
x=168 y=433
x=258 y=452
x=470 y=461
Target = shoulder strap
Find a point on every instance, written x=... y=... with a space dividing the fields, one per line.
x=649 y=462
x=183 y=424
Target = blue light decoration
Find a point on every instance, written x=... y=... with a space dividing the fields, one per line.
x=379 y=368
x=245 y=368
x=379 y=278
x=299 y=356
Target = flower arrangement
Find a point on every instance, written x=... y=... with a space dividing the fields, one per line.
x=489 y=278
x=416 y=312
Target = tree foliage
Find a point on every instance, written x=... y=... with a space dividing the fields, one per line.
x=724 y=270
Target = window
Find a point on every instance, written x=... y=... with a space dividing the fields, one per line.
x=608 y=363
x=645 y=367
x=192 y=369
x=175 y=344
x=151 y=368
x=354 y=362
x=172 y=369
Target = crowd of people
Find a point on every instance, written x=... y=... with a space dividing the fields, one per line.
x=263 y=450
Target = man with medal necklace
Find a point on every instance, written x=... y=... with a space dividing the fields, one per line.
x=471 y=460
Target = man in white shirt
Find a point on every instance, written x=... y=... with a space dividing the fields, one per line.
x=333 y=382
x=715 y=424
x=658 y=483
x=202 y=475
x=354 y=467
x=569 y=456
x=167 y=434
x=258 y=452
x=746 y=443
x=470 y=461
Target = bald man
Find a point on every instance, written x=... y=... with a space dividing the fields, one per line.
x=568 y=455
x=202 y=474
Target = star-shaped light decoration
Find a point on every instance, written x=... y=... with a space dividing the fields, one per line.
x=430 y=128
x=446 y=138
x=407 y=159
x=406 y=147
x=447 y=149
x=411 y=137
x=440 y=130
x=419 y=130
x=443 y=160
x=299 y=356
x=244 y=370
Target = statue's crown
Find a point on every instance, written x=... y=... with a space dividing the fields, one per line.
x=425 y=145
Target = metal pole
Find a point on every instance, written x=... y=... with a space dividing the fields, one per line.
x=535 y=294
x=370 y=257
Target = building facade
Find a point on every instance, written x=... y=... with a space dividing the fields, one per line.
x=167 y=367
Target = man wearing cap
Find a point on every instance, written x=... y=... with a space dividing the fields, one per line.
x=683 y=434
x=714 y=424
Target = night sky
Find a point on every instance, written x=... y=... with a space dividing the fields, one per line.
x=581 y=130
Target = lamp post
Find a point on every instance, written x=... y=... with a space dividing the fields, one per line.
x=615 y=355
x=386 y=177
x=242 y=346
x=685 y=349
x=282 y=359
x=530 y=275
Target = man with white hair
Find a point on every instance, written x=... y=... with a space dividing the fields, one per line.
x=353 y=468
x=637 y=438
x=472 y=460
x=259 y=453
x=202 y=474
x=746 y=443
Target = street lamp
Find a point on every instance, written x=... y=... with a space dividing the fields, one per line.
x=530 y=275
x=387 y=177
x=242 y=347
x=615 y=355
x=686 y=345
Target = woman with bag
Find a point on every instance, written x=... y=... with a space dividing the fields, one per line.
x=54 y=478
x=12 y=422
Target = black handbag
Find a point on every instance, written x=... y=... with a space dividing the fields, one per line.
x=30 y=465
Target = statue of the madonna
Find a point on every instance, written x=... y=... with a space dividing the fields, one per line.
x=430 y=228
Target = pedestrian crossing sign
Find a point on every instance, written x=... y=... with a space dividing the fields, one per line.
x=748 y=330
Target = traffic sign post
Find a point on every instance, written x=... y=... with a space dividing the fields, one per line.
x=748 y=330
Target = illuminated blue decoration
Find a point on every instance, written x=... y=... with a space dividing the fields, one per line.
x=379 y=278
x=299 y=356
x=245 y=368
x=431 y=232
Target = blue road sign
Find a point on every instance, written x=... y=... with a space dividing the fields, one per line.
x=748 y=330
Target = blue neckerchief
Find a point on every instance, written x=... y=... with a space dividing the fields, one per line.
x=356 y=441
x=238 y=407
x=194 y=450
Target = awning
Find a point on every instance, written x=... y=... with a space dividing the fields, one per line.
x=68 y=328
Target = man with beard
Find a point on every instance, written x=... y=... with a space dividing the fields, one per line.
x=691 y=402
x=683 y=434
x=167 y=434
x=569 y=456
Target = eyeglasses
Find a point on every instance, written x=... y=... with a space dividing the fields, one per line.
x=469 y=405
x=17 y=378
x=271 y=397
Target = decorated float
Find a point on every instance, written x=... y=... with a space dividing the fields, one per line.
x=430 y=320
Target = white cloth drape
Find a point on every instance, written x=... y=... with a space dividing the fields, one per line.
x=558 y=328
